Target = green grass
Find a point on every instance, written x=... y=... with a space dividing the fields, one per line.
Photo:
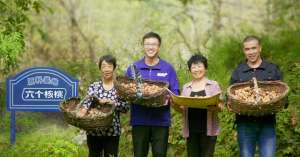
x=41 y=139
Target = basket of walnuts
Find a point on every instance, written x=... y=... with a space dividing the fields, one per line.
x=153 y=93
x=99 y=115
x=257 y=98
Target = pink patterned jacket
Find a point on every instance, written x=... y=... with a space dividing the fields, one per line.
x=211 y=88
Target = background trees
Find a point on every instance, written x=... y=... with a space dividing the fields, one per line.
x=72 y=34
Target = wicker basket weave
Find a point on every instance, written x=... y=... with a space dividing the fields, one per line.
x=246 y=108
x=70 y=107
x=157 y=99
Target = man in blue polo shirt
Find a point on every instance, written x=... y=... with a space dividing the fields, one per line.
x=150 y=126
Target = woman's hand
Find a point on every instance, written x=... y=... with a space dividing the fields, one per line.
x=106 y=101
x=177 y=107
x=82 y=112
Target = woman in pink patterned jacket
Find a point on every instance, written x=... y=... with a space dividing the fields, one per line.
x=200 y=126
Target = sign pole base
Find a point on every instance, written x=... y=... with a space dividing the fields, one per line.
x=12 y=127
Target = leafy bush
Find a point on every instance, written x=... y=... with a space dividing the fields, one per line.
x=11 y=46
x=50 y=141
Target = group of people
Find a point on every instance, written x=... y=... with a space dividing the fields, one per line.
x=150 y=126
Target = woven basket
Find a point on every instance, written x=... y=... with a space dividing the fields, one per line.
x=156 y=99
x=246 y=108
x=70 y=107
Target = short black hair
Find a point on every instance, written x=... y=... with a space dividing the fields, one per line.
x=152 y=35
x=250 y=38
x=109 y=59
x=197 y=58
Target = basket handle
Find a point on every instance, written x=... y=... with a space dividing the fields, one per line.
x=138 y=80
x=256 y=91
x=84 y=99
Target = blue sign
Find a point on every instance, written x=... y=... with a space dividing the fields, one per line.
x=37 y=89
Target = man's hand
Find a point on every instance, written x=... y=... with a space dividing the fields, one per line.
x=167 y=100
x=217 y=108
x=221 y=105
x=82 y=112
x=229 y=105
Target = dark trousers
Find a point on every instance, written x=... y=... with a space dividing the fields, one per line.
x=103 y=145
x=156 y=136
x=201 y=145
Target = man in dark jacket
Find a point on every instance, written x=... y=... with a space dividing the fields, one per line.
x=255 y=130
x=151 y=125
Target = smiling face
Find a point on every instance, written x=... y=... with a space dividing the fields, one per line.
x=151 y=47
x=198 y=70
x=107 y=70
x=252 y=51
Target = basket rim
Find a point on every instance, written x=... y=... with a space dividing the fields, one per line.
x=144 y=80
x=161 y=92
x=86 y=122
x=61 y=104
x=231 y=96
x=63 y=109
x=200 y=98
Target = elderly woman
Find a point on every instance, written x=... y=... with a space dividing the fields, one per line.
x=200 y=125
x=105 y=141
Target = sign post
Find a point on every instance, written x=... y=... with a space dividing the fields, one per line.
x=39 y=89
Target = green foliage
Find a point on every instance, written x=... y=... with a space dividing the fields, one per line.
x=41 y=140
x=84 y=70
x=285 y=51
x=176 y=140
x=13 y=14
x=11 y=46
x=125 y=145
x=12 y=23
x=60 y=147
x=285 y=14
x=224 y=54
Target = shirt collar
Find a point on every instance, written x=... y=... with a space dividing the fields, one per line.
x=143 y=65
x=208 y=82
x=245 y=66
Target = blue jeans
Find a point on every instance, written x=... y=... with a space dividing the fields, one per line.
x=251 y=133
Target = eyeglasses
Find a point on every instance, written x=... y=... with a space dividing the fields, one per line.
x=151 y=44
